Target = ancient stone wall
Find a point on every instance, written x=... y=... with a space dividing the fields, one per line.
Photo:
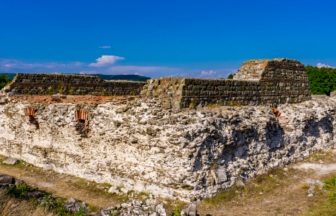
x=257 y=82
x=69 y=84
x=192 y=92
x=184 y=154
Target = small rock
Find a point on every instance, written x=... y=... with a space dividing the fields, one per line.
x=6 y=179
x=160 y=209
x=113 y=190
x=151 y=202
x=124 y=190
x=34 y=194
x=72 y=207
x=261 y=193
x=19 y=182
x=10 y=161
x=137 y=203
x=315 y=183
x=125 y=205
x=72 y=200
x=105 y=212
x=310 y=195
x=285 y=169
x=192 y=209
x=312 y=191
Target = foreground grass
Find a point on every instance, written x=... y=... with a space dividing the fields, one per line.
x=326 y=204
x=261 y=185
x=52 y=206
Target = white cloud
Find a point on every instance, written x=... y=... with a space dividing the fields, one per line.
x=105 y=47
x=88 y=72
x=320 y=65
x=210 y=73
x=106 y=60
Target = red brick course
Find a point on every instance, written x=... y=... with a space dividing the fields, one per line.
x=85 y=99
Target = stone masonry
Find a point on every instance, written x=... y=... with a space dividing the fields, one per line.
x=68 y=84
x=257 y=82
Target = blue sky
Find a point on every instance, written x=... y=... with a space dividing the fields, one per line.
x=162 y=38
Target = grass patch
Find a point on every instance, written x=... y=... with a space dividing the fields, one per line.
x=320 y=155
x=326 y=203
x=265 y=183
x=48 y=202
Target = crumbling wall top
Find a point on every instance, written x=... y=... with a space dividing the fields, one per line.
x=276 y=69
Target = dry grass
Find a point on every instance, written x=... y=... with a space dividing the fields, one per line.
x=15 y=207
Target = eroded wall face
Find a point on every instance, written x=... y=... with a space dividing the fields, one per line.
x=272 y=69
x=184 y=154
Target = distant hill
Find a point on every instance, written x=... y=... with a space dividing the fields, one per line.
x=122 y=77
x=9 y=75
x=105 y=77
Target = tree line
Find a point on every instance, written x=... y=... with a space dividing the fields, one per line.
x=322 y=80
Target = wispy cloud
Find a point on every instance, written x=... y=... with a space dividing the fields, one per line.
x=11 y=64
x=107 y=64
x=153 y=71
x=106 y=60
x=104 y=65
x=88 y=72
x=105 y=47
x=320 y=65
x=210 y=73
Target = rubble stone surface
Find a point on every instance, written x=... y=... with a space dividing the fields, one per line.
x=188 y=153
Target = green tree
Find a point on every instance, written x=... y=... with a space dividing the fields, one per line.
x=230 y=76
x=3 y=81
x=322 y=80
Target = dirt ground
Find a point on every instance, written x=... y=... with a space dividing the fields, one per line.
x=64 y=186
x=279 y=192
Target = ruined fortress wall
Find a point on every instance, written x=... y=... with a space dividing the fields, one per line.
x=281 y=69
x=192 y=92
x=182 y=154
x=257 y=82
x=68 y=84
